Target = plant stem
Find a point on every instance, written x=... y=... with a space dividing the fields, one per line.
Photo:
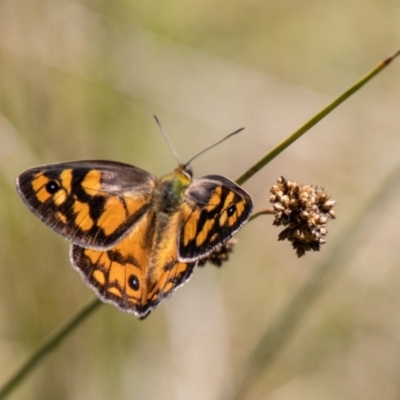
x=267 y=211
x=49 y=344
x=314 y=120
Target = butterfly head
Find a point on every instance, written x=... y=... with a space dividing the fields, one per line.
x=183 y=174
x=186 y=170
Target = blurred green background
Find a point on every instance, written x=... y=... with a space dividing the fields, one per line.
x=82 y=79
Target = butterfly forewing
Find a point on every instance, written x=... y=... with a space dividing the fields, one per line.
x=91 y=203
x=213 y=210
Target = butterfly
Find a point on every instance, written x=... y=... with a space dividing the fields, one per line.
x=135 y=238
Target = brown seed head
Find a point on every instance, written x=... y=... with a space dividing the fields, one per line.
x=220 y=254
x=304 y=211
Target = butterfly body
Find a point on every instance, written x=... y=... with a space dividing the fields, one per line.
x=135 y=238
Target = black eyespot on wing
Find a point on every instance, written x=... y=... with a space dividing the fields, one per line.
x=133 y=282
x=53 y=187
x=231 y=210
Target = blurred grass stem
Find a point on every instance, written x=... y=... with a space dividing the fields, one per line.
x=314 y=120
x=49 y=344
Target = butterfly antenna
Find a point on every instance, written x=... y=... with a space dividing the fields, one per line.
x=166 y=138
x=215 y=144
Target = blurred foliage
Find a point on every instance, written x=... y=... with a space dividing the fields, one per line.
x=82 y=79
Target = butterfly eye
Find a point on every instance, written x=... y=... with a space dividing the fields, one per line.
x=52 y=187
x=133 y=282
x=231 y=210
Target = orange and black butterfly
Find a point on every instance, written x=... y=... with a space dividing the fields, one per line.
x=135 y=238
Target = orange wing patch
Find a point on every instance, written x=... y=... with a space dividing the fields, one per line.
x=82 y=216
x=66 y=179
x=203 y=234
x=114 y=215
x=91 y=184
x=190 y=227
x=38 y=186
x=215 y=199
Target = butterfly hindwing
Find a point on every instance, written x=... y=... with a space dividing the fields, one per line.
x=139 y=271
x=214 y=208
x=119 y=275
x=91 y=203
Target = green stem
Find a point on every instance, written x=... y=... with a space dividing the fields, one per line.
x=314 y=120
x=267 y=211
x=49 y=344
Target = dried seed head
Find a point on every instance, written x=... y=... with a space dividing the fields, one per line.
x=304 y=211
x=220 y=254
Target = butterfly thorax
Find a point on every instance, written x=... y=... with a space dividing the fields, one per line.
x=171 y=189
